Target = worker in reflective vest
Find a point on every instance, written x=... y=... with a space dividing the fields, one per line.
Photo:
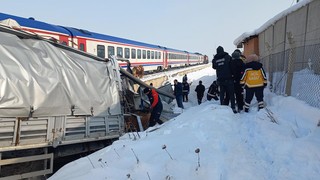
x=254 y=81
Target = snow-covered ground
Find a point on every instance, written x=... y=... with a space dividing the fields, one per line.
x=246 y=146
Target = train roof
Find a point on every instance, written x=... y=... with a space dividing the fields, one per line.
x=93 y=35
x=89 y=34
x=31 y=23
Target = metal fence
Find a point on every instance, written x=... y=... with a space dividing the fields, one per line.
x=295 y=72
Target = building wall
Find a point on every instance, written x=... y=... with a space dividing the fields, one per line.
x=312 y=38
x=298 y=31
x=251 y=46
x=279 y=36
x=290 y=52
x=313 y=24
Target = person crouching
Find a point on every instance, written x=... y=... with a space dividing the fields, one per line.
x=155 y=106
x=213 y=91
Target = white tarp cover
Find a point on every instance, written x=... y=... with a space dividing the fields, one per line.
x=10 y=23
x=36 y=74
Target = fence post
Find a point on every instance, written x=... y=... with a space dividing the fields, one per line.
x=269 y=65
x=291 y=60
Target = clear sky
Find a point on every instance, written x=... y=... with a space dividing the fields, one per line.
x=191 y=25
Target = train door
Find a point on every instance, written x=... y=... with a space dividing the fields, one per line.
x=82 y=44
x=165 y=59
x=188 y=59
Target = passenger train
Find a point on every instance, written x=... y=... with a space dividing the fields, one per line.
x=151 y=57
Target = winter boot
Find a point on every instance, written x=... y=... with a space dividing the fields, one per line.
x=234 y=110
x=260 y=105
x=246 y=107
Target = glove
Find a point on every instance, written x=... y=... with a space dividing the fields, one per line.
x=265 y=85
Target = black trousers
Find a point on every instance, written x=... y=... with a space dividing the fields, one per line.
x=215 y=97
x=185 y=97
x=155 y=117
x=199 y=97
x=250 y=92
x=227 y=86
x=238 y=91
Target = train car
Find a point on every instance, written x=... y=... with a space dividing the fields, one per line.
x=138 y=53
x=195 y=58
x=151 y=57
x=177 y=58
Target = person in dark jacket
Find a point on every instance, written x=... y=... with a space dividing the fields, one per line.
x=213 y=91
x=224 y=70
x=185 y=78
x=238 y=72
x=185 y=90
x=254 y=80
x=177 y=92
x=200 y=91
x=155 y=106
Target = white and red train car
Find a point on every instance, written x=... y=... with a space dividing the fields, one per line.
x=151 y=57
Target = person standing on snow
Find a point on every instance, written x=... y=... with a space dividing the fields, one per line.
x=185 y=78
x=224 y=69
x=200 y=91
x=254 y=80
x=238 y=73
x=177 y=92
x=185 y=90
x=155 y=106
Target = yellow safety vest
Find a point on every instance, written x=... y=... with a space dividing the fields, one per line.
x=253 y=78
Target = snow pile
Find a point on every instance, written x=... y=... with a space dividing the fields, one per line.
x=209 y=142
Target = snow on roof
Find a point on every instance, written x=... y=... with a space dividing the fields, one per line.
x=271 y=22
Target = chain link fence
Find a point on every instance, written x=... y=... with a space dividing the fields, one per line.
x=295 y=72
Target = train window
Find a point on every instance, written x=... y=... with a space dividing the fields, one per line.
x=133 y=53
x=101 y=51
x=127 y=53
x=81 y=47
x=139 y=53
x=110 y=51
x=152 y=54
x=159 y=55
x=156 y=55
x=119 y=52
x=148 y=54
x=144 y=54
